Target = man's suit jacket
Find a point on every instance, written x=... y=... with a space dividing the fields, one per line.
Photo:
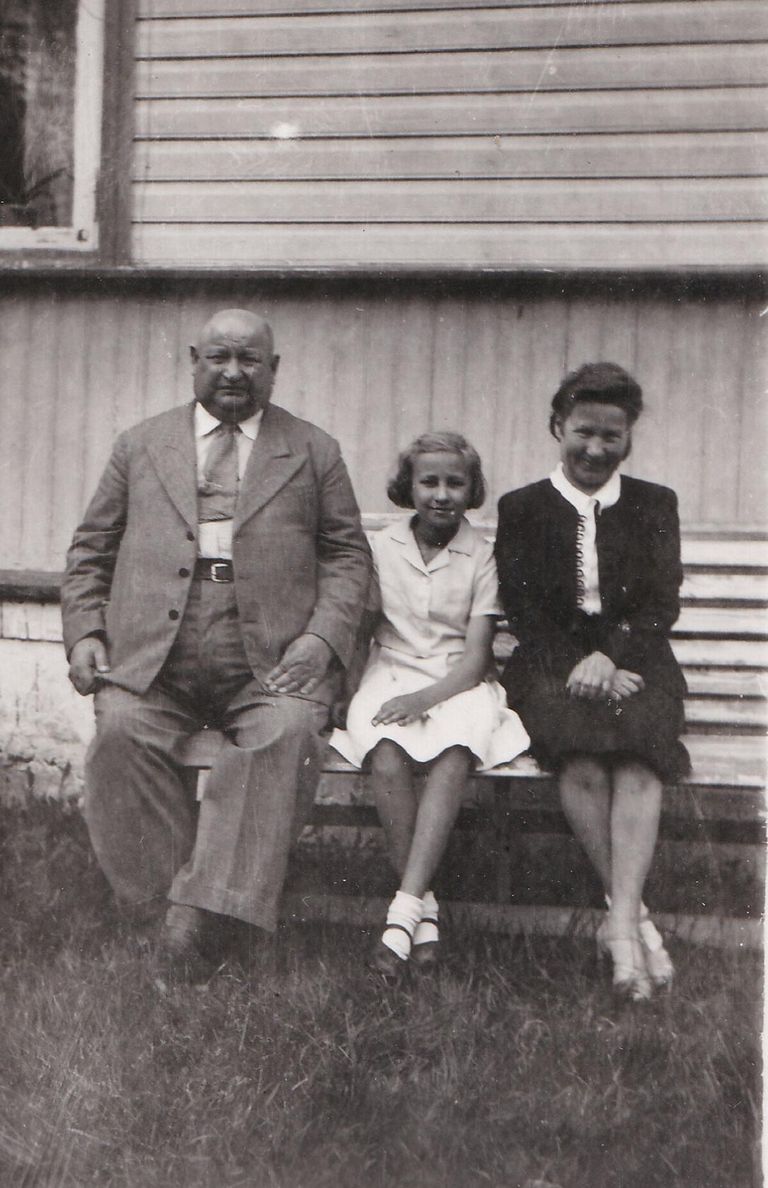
x=300 y=557
x=638 y=548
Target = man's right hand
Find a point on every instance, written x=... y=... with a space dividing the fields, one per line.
x=87 y=660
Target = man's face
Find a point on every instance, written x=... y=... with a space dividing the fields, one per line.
x=234 y=367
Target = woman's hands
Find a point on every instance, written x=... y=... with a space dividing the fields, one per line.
x=592 y=677
x=402 y=710
x=626 y=684
x=597 y=676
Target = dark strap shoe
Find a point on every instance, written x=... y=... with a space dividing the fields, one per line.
x=386 y=964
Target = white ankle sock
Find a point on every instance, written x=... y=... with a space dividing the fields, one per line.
x=403 y=915
x=426 y=929
x=644 y=913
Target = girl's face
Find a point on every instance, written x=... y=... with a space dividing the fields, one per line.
x=441 y=489
x=594 y=438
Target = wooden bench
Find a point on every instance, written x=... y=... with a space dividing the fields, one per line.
x=721 y=641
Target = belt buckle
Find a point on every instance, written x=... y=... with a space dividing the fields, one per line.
x=220 y=565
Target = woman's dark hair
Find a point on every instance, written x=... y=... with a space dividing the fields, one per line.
x=604 y=383
x=440 y=442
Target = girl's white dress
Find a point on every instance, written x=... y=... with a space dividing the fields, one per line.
x=426 y=610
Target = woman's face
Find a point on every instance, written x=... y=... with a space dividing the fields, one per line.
x=594 y=438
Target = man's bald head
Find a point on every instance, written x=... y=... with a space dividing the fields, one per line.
x=234 y=364
x=237 y=323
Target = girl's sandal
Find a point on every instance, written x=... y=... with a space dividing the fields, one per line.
x=386 y=964
x=426 y=956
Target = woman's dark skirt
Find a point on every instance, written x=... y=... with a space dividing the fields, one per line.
x=645 y=726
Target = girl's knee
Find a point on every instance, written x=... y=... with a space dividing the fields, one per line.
x=459 y=757
x=388 y=759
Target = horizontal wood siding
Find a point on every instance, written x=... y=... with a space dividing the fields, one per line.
x=375 y=369
x=582 y=134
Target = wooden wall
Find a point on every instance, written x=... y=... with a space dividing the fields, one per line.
x=571 y=134
x=377 y=364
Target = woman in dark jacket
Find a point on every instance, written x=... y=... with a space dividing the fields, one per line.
x=589 y=566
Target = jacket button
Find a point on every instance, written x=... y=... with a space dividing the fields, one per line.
x=183 y=572
x=173 y=614
x=190 y=536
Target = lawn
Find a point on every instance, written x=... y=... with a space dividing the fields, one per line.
x=511 y=1068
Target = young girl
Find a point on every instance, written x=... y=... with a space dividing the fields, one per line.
x=428 y=694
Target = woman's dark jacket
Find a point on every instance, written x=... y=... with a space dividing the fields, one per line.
x=638 y=547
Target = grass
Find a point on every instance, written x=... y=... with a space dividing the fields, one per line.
x=512 y=1068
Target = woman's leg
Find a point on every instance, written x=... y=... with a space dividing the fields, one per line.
x=395 y=799
x=634 y=829
x=616 y=816
x=586 y=794
x=438 y=808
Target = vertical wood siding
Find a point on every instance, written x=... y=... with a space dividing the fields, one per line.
x=579 y=133
x=375 y=370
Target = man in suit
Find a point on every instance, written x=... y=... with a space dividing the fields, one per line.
x=218 y=577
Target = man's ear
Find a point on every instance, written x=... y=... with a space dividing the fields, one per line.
x=275 y=364
x=193 y=354
x=557 y=428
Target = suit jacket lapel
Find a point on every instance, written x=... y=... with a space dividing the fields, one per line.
x=271 y=465
x=172 y=451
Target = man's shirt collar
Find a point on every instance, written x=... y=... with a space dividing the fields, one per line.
x=205 y=423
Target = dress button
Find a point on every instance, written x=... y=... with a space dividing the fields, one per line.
x=190 y=536
x=173 y=614
x=183 y=572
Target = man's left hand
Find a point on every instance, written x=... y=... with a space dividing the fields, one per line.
x=303 y=665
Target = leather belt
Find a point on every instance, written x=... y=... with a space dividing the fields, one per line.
x=210 y=569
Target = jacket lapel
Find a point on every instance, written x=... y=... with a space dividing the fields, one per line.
x=271 y=465
x=172 y=450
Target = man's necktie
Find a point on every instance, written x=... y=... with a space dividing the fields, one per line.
x=217 y=487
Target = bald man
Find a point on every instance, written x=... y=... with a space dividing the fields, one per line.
x=217 y=579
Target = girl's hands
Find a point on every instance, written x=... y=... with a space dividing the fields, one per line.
x=592 y=677
x=401 y=711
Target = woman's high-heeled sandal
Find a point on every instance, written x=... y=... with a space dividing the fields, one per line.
x=630 y=977
x=658 y=962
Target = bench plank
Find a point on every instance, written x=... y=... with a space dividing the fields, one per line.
x=732 y=761
x=728 y=653
x=725 y=587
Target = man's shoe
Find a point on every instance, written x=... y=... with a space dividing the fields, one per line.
x=185 y=943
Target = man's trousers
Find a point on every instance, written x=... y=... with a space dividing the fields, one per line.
x=142 y=817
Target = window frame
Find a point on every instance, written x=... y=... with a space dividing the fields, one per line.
x=100 y=226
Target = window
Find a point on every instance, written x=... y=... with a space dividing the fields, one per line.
x=51 y=66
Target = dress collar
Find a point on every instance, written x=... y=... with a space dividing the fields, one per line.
x=463 y=542
x=205 y=423
x=606 y=495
